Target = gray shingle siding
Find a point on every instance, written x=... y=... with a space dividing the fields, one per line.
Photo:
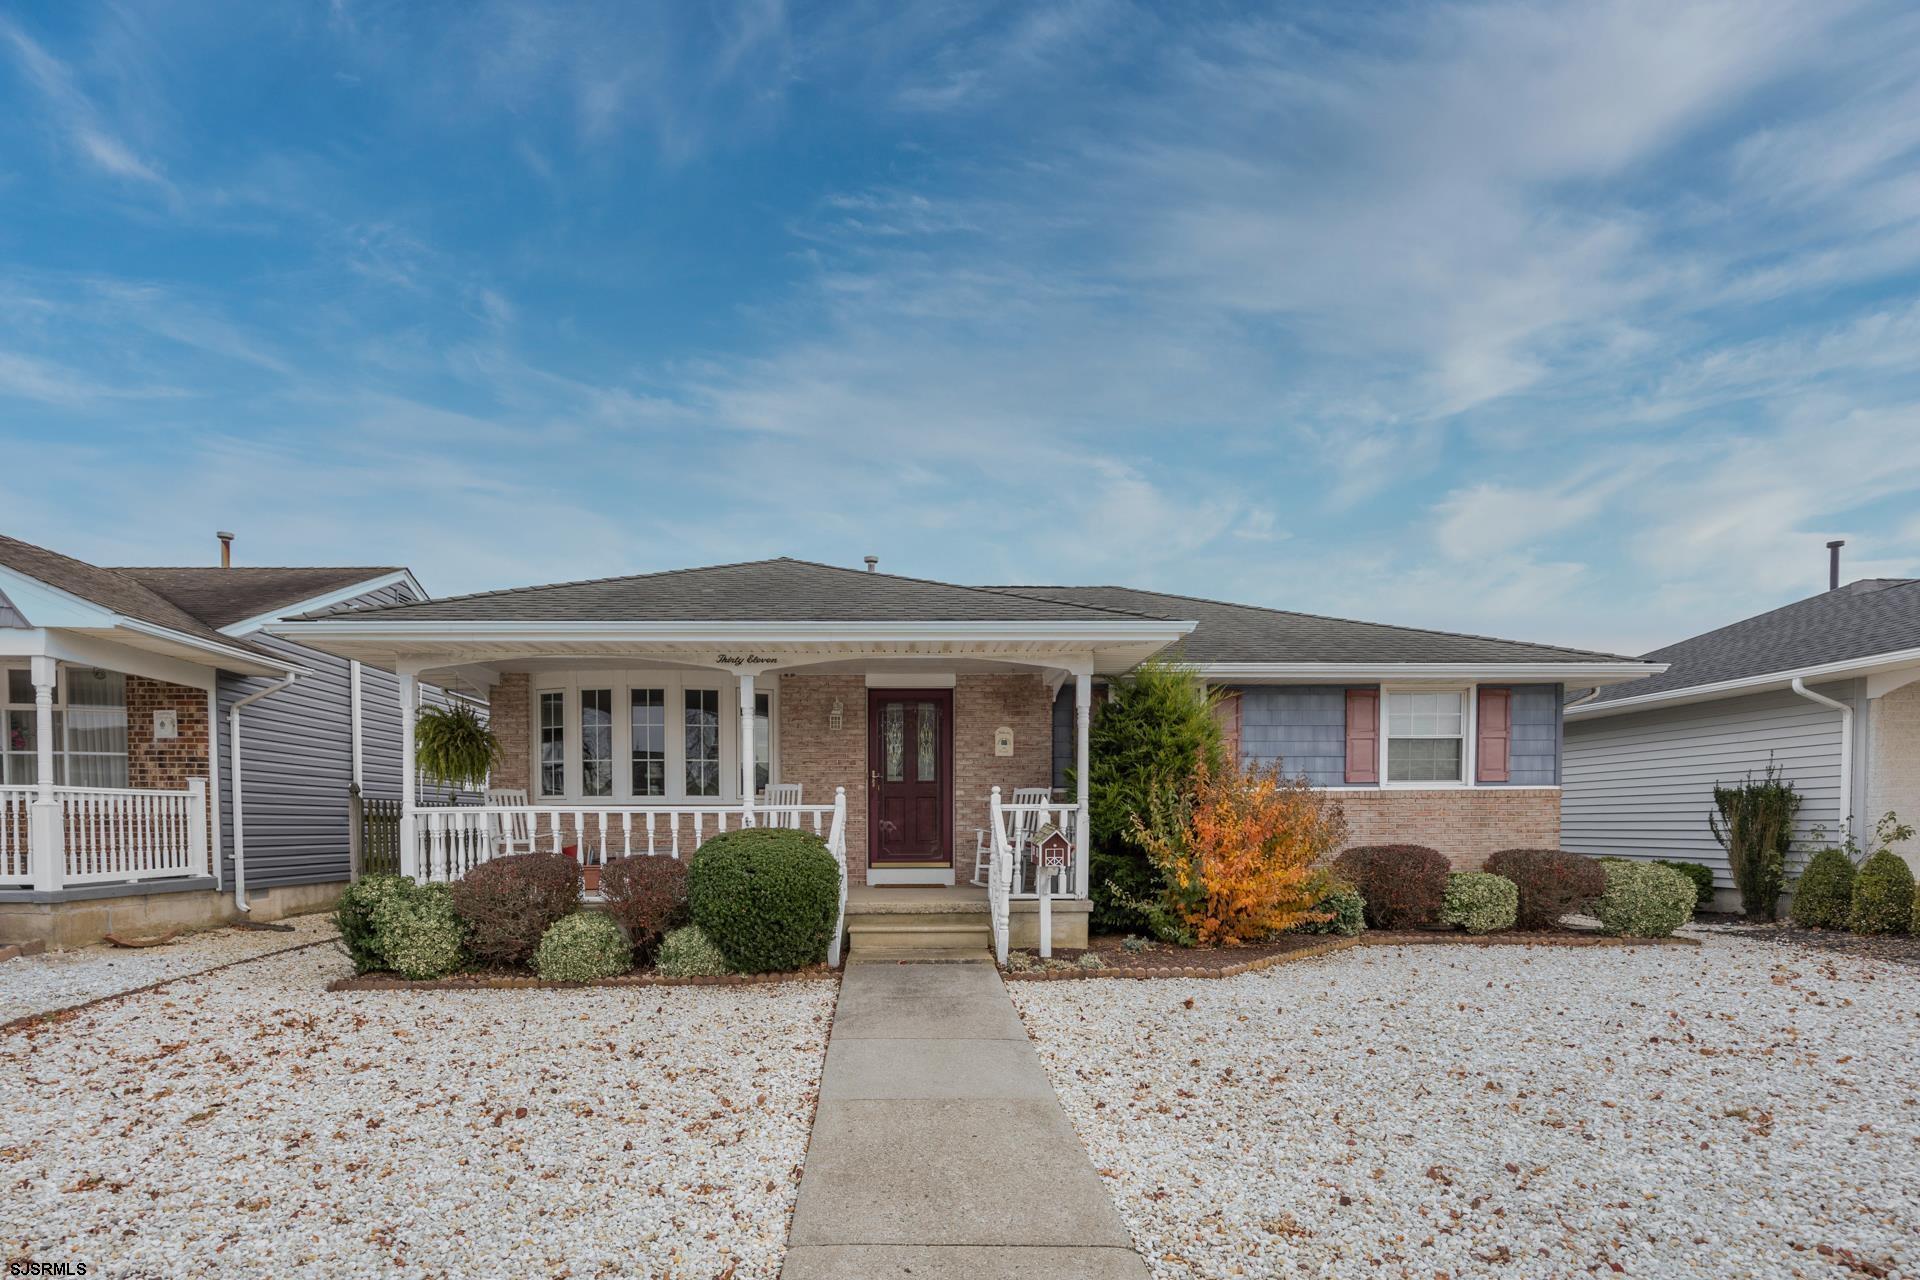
x=1641 y=784
x=1301 y=729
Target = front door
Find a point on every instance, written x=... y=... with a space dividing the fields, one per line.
x=910 y=777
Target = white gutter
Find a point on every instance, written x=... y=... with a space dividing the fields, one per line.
x=1799 y=686
x=1582 y=700
x=247 y=626
x=238 y=659
x=1760 y=683
x=239 y=820
x=387 y=629
x=1600 y=673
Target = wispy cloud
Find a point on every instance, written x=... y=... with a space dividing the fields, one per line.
x=72 y=113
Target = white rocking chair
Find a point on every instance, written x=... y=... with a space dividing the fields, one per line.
x=1028 y=824
x=781 y=800
x=512 y=833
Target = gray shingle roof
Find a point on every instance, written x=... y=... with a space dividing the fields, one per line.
x=1862 y=619
x=222 y=597
x=1248 y=633
x=111 y=589
x=782 y=590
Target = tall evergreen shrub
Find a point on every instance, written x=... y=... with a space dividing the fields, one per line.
x=1754 y=823
x=1152 y=735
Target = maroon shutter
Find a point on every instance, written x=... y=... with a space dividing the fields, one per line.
x=1495 y=738
x=1363 y=735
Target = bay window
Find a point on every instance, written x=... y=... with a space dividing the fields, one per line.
x=553 y=744
x=1426 y=736
x=703 y=742
x=596 y=742
x=89 y=729
x=611 y=736
x=647 y=730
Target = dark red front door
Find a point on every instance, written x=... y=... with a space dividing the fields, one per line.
x=910 y=776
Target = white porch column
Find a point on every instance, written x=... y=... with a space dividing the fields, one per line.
x=409 y=797
x=1082 y=722
x=47 y=828
x=746 y=748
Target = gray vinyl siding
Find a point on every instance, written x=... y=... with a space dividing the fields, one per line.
x=1641 y=784
x=297 y=749
x=1302 y=730
x=1533 y=755
x=1063 y=743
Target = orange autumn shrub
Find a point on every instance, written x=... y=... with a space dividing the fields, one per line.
x=1239 y=856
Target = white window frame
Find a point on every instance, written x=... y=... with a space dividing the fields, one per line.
x=1469 y=735
x=623 y=680
x=63 y=708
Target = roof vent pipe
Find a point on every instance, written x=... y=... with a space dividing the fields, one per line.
x=226 y=548
x=873 y=563
x=1833 y=563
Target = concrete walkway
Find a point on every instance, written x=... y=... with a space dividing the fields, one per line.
x=939 y=1150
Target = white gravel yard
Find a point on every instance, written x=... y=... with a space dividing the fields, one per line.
x=1735 y=1110
x=249 y=1123
x=61 y=979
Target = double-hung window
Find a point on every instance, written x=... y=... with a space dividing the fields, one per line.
x=647 y=731
x=89 y=729
x=596 y=742
x=703 y=742
x=553 y=744
x=1426 y=736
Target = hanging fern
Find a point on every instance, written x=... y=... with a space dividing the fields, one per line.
x=454 y=746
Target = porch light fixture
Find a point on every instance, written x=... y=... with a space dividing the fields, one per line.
x=837 y=716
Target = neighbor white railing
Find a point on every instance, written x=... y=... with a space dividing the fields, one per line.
x=1012 y=870
x=16 y=819
x=449 y=841
x=103 y=835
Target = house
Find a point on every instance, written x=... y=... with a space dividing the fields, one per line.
x=119 y=809
x=641 y=714
x=1826 y=689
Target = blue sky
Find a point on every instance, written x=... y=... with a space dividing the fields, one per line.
x=1586 y=322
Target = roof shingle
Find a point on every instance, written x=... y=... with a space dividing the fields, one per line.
x=222 y=597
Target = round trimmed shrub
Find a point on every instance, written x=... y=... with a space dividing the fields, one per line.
x=1698 y=872
x=1480 y=902
x=686 y=952
x=1347 y=912
x=767 y=896
x=354 y=917
x=581 y=948
x=509 y=903
x=417 y=932
x=1403 y=885
x=647 y=896
x=1551 y=883
x=1823 y=899
x=1644 y=900
x=1882 y=895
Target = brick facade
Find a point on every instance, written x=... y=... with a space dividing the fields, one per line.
x=1893 y=769
x=166 y=764
x=507 y=714
x=1466 y=824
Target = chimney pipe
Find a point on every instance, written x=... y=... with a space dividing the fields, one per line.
x=226 y=549
x=873 y=563
x=1833 y=563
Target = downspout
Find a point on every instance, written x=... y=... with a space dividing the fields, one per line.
x=1584 y=698
x=1846 y=748
x=239 y=820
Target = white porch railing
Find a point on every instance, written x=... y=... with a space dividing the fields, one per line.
x=103 y=835
x=1012 y=869
x=448 y=842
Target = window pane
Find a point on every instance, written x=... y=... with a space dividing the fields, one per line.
x=96 y=723
x=647 y=717
x=596 y=742
x=1423 y=760
x=927 y=759
x=762 y=740
x=22 y=766
x=703 y=742
x=553 y=744
x=893 y=740
x=20 y=686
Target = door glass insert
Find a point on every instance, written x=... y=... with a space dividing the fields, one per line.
x=927 y=754
x=893 y=741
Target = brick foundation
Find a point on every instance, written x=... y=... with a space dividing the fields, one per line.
x=1466 y=824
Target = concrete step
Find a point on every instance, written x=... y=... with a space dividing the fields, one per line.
x=919 y=935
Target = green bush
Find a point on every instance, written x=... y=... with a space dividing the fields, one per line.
x=418 y=933
x=1882 y=895
x=1644 y=900
x=1480 y=902
x=1699 y=873
x=1754 y=823
x=1913 y=925
x=581 y=948
x=688 y=953
x=767 y=896
x=354 y=916
x=1347 y=911
x=1823 y=899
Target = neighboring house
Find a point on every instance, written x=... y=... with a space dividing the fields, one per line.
x=122 y=686
x=645 y=712
x=1827 y=689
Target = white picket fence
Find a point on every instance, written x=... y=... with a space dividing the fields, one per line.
x=107 y=835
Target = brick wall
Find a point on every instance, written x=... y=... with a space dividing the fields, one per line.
x=1466 y=824
x=820 y=758
x=507 y=714
x=1893 y=772
x=166 y=764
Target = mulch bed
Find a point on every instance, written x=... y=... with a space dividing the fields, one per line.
x=1894 y=948
x=1163 y=961
x=507 y=980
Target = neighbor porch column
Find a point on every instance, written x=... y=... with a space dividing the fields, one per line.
x=409 y=789
x=1082 y=723
x=746 y=748
x=47 y=828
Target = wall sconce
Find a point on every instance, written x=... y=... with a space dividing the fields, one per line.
x=836 y=717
